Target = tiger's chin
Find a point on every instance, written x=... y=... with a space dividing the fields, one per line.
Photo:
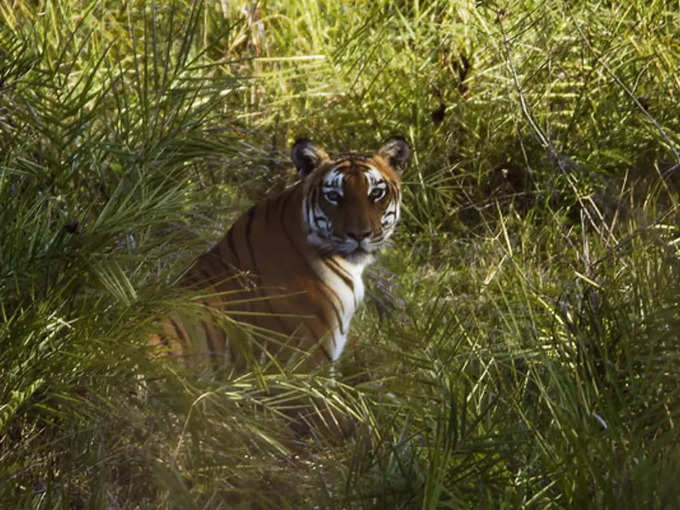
x=358 y=256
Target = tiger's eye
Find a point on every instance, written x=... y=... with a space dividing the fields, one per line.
x=377 y=194
x=332 y=196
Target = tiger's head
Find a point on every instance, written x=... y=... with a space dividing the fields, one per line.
x=350 y=202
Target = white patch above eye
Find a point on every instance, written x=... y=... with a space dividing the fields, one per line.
x=331 y=186
x=333 y=180
x=373 y=176
x=377 y=187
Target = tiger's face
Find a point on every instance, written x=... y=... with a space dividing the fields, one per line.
x=351 y=203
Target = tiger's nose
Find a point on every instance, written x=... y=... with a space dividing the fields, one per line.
x=359 y=236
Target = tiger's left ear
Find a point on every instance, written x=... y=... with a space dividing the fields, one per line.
x=307 y=156
x=396 y=152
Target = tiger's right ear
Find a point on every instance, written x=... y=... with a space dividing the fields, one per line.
x=396 y=151
x=307 y=156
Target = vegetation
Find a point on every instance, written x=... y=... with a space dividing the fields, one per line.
x=520 y=342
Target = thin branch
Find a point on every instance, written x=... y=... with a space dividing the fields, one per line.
x=620 y=83
x=559 y=159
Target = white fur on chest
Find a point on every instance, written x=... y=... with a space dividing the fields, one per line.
x=349 y=300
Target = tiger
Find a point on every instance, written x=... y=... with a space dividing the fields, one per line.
x=290 y=268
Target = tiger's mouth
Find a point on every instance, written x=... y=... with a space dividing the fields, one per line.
x=354 y=249
x=337 y=244
x=359 y=250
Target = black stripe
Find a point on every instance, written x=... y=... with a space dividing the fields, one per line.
x=341 y=326
x=212 y=309
x=208 y=338
x=251 y=216
x=205 y=268
x=323 y=349
x=321 y=317
x=207 y=277
x=232 y=247
x=178 y=330
x=394 y=190
x=267 y=205
x=213 y=351
x=342 y=274
x=319 y=343
x=260 y=292
x=226 y=267
x=311 y=200
x=323 y=284
x=270 y=307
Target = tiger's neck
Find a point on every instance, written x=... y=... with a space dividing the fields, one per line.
x=342 y=282
x=350 y=293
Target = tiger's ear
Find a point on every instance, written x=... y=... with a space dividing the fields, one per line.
x=396 y=152
x=307 y=156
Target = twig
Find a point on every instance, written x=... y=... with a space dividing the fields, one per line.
x=558 y=158
x=620 y=83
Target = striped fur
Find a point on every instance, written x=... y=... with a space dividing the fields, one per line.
x=292 y=265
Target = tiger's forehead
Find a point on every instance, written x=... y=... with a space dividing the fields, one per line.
x=339 y=171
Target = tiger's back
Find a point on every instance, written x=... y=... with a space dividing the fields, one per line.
x=291 y=266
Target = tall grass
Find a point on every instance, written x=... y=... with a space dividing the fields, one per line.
x=519 y=345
